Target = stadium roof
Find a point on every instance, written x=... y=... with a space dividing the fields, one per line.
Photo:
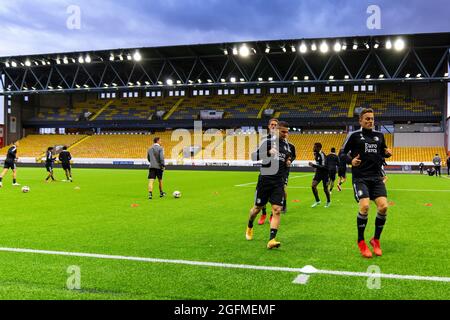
x=382 y=58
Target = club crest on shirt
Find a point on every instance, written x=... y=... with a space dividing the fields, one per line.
x=376 y=139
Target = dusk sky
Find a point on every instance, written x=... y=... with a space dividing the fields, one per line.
x=30 y=27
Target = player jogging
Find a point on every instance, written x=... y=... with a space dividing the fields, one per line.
x=273 y=123
x=291 y=158
x=274 y=154
x=342 y=170
x=332 y=163
x=321 y=175
x=367 y=149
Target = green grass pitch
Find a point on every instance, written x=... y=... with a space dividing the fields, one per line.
x=109 y=214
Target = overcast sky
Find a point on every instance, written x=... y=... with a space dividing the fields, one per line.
x=29 y=27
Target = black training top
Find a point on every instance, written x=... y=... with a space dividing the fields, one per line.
x=332 y=161
x=12 y=154
x=49 y=158
x=321 y=163
x=270 y=162
x=65 y=157
x=370 y=145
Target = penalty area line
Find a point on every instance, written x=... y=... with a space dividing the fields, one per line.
x=309 y=270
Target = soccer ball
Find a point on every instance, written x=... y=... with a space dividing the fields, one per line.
x=25 y=189
x=176 y=194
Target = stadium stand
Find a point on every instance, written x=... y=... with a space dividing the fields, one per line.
x=233 y=147
x=137 y=108
x=389 y=104
x=128 y=146
x=312 y=105
x=36 y=145
x=416 y=154
x=236 y=107
x=91 y=106
x=304 y=143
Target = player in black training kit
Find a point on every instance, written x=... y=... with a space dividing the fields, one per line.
x=367 y=148
x=291 y=159
x=333 y=164
x=49 y=160
x=10 y=163
x=342 y=170
x=321 y=174
x=273 y=123
x=65 y=158
x=275 y=155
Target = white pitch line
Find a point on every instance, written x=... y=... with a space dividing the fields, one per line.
x=389 y=189
x=295 y=177
x=229 y=265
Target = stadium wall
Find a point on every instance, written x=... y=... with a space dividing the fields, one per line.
x=419 y=139
x=22 y=109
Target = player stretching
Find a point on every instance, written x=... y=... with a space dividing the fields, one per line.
x=368 y=149
x=10 y=163
x=270 y=188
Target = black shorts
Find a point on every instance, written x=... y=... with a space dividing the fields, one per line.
x=286 y=178
x=10 y=165
x=321 y=176
x=342 y=172
x=332 y=175
x=155 y=173
x=49 y=167
x=66 y=166
x=371 y=188
x=269 y=190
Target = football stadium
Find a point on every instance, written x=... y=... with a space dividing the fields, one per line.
x=97 y=233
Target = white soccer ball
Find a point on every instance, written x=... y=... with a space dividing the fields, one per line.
x=176 y=194
x=25 y=189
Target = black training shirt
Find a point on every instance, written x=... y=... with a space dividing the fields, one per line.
x=370 y=145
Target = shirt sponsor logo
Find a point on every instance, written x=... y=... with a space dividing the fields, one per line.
x=371 y=148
